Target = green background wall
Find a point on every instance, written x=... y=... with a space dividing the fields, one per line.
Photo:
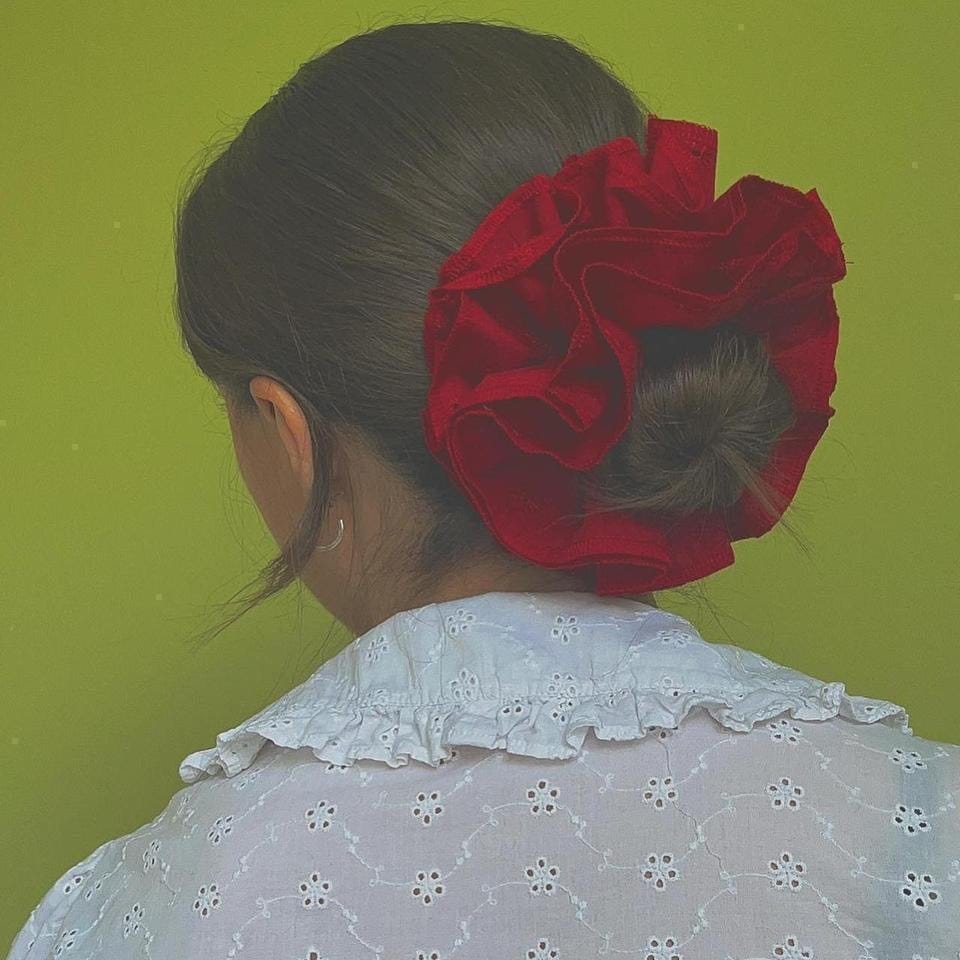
x=123 y=516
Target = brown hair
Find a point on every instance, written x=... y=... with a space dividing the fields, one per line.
x=306 y=247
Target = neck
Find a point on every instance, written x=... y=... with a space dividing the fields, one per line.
x=523 y=578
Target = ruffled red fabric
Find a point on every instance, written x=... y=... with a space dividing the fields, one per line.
x=530 y=340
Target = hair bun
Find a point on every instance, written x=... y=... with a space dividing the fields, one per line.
x=708 y=409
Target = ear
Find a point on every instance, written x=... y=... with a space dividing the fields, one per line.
x=281 y=412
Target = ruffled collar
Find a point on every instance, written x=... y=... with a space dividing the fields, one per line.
x=526 y=673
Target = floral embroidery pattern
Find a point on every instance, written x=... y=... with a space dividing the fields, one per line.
x=907 y=761
x=445 y=760
x=919 y=890
x=428 y=886
x=389 y=736
x=787 y=872
x=542 y=798
x=661 y=733
x=465 y=686
x=426 y=807
x=459 y=621
x=563 y=686
x=208 y=899
x=76 y=880
x=355 y=841
x=92 y=890
x=249 y=777
x=612 y=697
x=790 y=949
x=564 y=689
x=376 y=647
x=150 y=855
x=320 y=815
x=543 y=951
x=665 y=949
x=659 y=870
x=516 y=707
x=541 y=877
x=910 y=820
x=66 y=941
x=783 y=731
x=315 y=891
x=658 y=792
x=784 y=793
x=131 y=920
x=561 y=710
x=565 y=628
x=670 y=687
x=221 y=828
x=673 y=638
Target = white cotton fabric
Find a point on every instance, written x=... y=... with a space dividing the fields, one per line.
x=555 y=776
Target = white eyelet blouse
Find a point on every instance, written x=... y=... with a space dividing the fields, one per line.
x=431 y=793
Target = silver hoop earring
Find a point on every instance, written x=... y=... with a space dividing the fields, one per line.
x=330 y=546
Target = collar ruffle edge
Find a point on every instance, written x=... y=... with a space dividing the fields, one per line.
x=549 y=727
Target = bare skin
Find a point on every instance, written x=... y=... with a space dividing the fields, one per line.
x=273 y=450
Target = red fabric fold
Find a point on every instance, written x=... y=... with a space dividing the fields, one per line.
x=530 y=338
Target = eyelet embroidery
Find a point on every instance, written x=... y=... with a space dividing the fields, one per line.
x=919 y=890
x=426 y=807
x=660 y=791
x=459 y=621
x=461 y=690
x=131 y=920
x=787 y=872
x=907 y=761
x=465 y=686
x=66 y=941
x=565 y=628
x=222 y=827
x=545 y=703
x=783 y=731
x=316 y=892
x=542 y=876
x=208 y=899
x=543 y=951
x=911 y=820
x=427 y=886
x=665 y=949
x=320 y=815
x=790 y=949
x=376 y=648
x=660 y=870
x=542 y=798
x=785 y=793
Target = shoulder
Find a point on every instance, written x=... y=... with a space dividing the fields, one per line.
x=852 y=761
x=45 y=927
x=166 y=883
x=885 y=806
x=108 y=887
x=75 y=902
x=887 y=753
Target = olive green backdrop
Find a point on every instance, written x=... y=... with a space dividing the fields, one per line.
x=123 y=517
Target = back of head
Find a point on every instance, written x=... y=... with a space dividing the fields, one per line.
x=308 y=244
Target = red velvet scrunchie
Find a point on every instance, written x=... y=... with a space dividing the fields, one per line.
x=530 y=342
